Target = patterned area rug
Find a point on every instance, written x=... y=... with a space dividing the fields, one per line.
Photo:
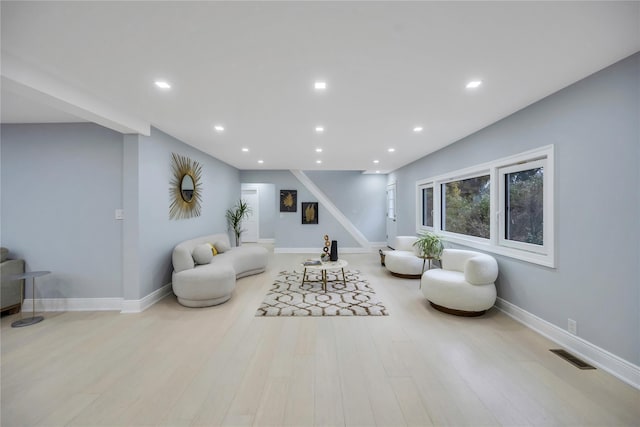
x=289 y=297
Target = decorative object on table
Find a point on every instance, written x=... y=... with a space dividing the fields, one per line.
x=288 y=200
x=464 y=286
x=11 y=291
x=239 y=212
x=309 y=212
x=185 y=189
x=354 y=297
x=325 y=250
x=334 y=251
x=33 y=319
x=429 y=245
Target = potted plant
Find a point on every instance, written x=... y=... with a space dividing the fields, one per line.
x=429 y=245
x=239 y=212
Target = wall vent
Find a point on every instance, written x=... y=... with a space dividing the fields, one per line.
x=578 y=363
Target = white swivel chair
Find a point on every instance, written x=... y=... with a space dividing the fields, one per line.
x=465 y=284
x=404 y=262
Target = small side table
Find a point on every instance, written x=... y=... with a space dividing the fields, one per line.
x=33 y=319
x=424 y=261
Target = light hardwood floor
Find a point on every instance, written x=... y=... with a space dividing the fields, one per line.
x=176 y=366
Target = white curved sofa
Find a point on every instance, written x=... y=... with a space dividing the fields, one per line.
x=404 y=262
x=465 y=284
x=211 y=284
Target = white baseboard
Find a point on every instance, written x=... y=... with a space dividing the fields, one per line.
x=140 y=305
x=616 y=366
x=267 y=241
x=317 y=251
x=73 y=304
x=97 y=304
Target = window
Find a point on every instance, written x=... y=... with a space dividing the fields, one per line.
x=465 y=206
x=521 y=220
x=504 y=206
x=427 y=206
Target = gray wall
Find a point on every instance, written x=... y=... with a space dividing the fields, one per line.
x=594 y=125
x=61 y=184
x=360 y=197
x=290 y=233
x=158 y=233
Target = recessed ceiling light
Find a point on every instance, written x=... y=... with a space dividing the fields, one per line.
x=318 y=150
x=246 y=150
x=162 y=84
x=219 y=128
x=417 y=129
x=319 y=129
x=261 y=161
x=318 y=161
x=474 y=84
x=377 y=171
x=391 y=150
x=320 y=85
x=376 y=161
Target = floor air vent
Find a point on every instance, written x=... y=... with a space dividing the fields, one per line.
x=578 y=363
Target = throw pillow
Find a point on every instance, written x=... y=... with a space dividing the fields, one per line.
x=202 y=254
x=214 y=251
x=222 y=246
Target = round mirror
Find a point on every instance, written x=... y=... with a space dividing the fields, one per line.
x=187 y=187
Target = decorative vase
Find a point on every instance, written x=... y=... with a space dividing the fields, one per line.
x=334 y=250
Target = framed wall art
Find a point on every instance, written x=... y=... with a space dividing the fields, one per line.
x=309 y=212
x=288 y=200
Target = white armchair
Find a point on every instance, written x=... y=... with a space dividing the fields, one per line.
x=465 y=284
x=404 y=262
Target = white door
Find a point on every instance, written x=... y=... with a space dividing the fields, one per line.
x=250 y=225
x=391 y=214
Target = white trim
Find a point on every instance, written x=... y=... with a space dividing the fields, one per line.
x=267 y=241
x=138 y=306
x=333 y=210
x=599 y=357
x=317 y=252
x=73 y=304
x=97 y=304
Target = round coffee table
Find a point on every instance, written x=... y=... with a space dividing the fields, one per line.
x=323 y=267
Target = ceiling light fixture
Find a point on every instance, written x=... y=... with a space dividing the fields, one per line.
x=162 y=84
x=473 y=84
x=320 y=85
x=318 y=161
x=261 y=161
x=417 y=129
x=376 y=161
x=377 y=171
x=391 y=150
x=318 y=150
x=319 y=129
x=246 y=150
x=219 y=128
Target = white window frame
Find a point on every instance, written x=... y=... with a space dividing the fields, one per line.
x=535 y=254
x=502 y=206
x=419 y=203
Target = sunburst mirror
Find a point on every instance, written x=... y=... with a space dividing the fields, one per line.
x=185 y=187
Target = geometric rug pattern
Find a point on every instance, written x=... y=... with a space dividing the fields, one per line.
x=289 y=297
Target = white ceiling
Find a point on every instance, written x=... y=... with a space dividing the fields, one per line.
x=250 y=66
